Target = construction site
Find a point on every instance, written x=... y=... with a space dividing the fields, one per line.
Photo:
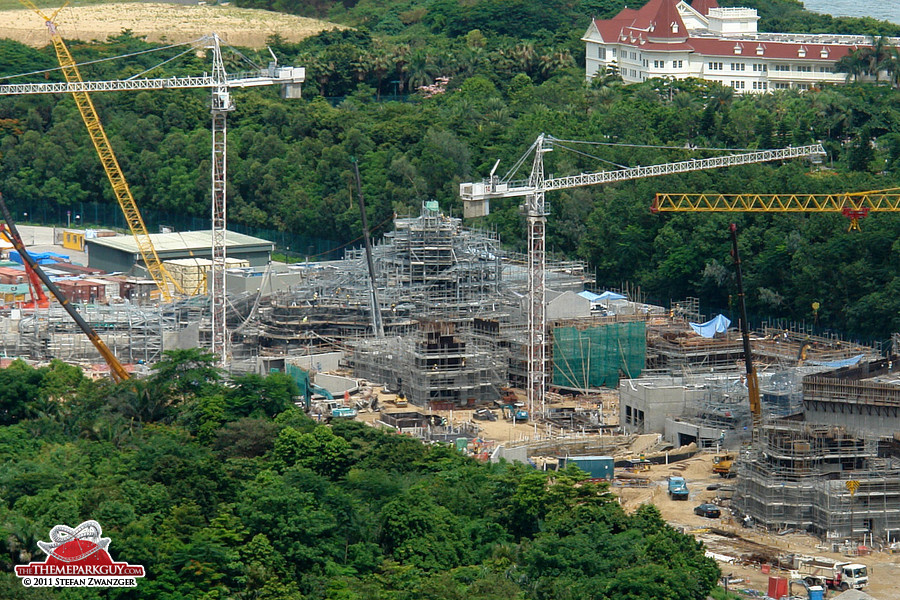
x=436 y=328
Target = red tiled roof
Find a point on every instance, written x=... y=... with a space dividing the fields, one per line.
x=783 y=50
x=658 y=19
x=703 y=6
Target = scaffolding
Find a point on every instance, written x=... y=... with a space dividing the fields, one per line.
x=436 y=368
x=797 y=474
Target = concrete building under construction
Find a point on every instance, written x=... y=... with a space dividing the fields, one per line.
x=821 y=479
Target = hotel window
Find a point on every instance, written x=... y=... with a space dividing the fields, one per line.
x=738 y=85
x=601 y=53
x=678 y=64
x=760 y=68
x=659 y=64
x=613 y=52
x=782 y=67
x=715 y=66
x=737 y=66
x=804 y=69
x=781 y=85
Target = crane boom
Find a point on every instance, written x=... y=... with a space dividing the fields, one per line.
x=110 y=164
x=476 y=198
x=752 y=379
x=481 y=192
x=116 y=370
x=854 y=205
x=288 y=75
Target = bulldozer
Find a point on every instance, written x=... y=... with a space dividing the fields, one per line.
x=723 y=463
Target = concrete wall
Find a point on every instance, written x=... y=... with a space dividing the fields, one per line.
x=326 y=361
x=568 y=305
x=255 y=279
x=682 y=433
x=645 y=404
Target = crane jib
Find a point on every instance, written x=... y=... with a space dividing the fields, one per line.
x=496 y=189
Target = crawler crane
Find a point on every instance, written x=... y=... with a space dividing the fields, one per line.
x=116 y=370
x=476 y=198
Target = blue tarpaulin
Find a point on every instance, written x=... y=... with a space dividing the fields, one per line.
x=599 y=298
x=41 y=258
x=719 y=324
x=837 y=364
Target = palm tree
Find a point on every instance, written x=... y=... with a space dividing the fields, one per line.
x=421 y=69
x=853 y=64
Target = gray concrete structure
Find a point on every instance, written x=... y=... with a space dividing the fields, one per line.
x=865 y=399
x=645 y=404
x=120 y=254
x=266 y=280
x=567 y=305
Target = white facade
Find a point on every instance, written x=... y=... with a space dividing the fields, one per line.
x=669 y=38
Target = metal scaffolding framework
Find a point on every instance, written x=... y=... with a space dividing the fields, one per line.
x=797 y=476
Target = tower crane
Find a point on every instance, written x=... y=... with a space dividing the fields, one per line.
x=854 y=206
x=221 y=84
x=476 y=199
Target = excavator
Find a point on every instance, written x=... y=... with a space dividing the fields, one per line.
x=116 y=369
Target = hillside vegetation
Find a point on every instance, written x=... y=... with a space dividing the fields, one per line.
x=230 y=492
x=514 y=70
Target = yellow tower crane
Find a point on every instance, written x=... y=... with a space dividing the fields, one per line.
x=108 y=158
x=854 y=205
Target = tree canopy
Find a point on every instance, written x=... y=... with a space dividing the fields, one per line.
x=300 y=510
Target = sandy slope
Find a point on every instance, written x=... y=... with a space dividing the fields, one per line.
x=161 y=22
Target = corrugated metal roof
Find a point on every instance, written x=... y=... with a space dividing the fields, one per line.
x=186 y=240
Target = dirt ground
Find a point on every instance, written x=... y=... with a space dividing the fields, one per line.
x=161 y=23
x=723 y=536
x=726 y=537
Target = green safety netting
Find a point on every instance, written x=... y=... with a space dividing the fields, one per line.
x=598 y=356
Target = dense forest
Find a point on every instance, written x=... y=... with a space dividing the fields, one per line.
x=225 y=490
x=430 y=94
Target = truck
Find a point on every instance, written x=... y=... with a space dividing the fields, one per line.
x=678 y=489
x=827 y=572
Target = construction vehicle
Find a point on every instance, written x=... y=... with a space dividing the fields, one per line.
x=514 y=412
x=678 y=489
x=751 y=378
x=476 y=197
x=722 y=464
x=38 y=298
x=222 y=103
x=116 y=370
x=827 y=572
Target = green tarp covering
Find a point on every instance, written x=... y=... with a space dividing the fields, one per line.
x=597 y=356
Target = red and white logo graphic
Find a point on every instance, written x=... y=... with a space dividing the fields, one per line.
x=78 y=558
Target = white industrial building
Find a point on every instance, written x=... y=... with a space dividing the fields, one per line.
x=675 y=39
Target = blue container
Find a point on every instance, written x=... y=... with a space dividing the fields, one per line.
x=816 y=592
x=598 y=467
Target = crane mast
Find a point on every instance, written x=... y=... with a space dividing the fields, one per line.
x=752 y=379
x=221 y=84
x=476 y=198
x=221 y=106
